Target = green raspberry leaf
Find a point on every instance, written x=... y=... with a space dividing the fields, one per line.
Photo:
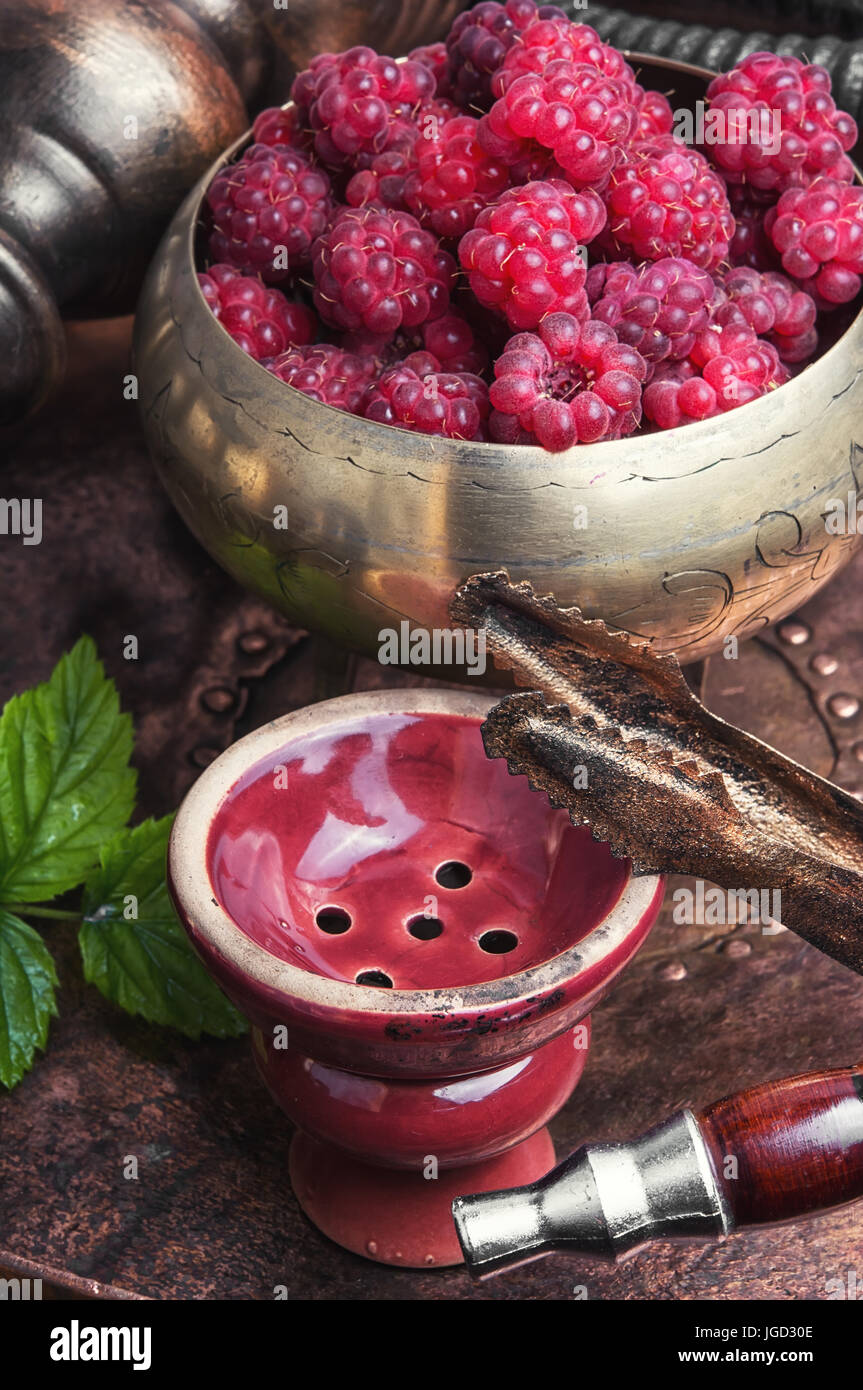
x=134 y=948
x=27 y=1003
x=65 y=780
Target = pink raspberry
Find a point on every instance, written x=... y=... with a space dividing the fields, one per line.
x=377 y=269
x=381 y=178
x=665 y=200
x=818 y=232
x=657 y=309
x=433 y=402
x=584 y=118
x=435 y=57
x=572 y=383
x=325 y=373
x=781 y=126
x=726 y=367
x=449 y=339
x=523 y=255
x=260 y=320
x=553 y=40
x=351 y=99
x=277 y=125
x=773 y=307
x=268 y=208
x=478 y=42
x=455 y=178
x=655 y=117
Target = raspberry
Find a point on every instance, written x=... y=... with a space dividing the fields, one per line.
x=260 y=320
x=553 y=40
x=429 y=401
x=455 y=178
x=478 y=42
x=750 y=245
x=268 y=208
x=435 y=57
x=377 y=269
x=773 y=308
x=351 y=99
x=726 y=367
x=572 y=383
x=325 y=373
x=768 y=101
x=657 y=309
x=655 y=117
x=381 y=178
x=522 y=256
x=277 y=125
x=665 y=200
x=818 y=232
x=450 y=339
x=572 y=109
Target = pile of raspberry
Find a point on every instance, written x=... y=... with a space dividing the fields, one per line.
x=504 y=238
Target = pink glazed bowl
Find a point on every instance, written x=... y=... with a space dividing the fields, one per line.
x=417 y=939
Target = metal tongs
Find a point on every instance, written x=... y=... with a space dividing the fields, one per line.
x=611 y=732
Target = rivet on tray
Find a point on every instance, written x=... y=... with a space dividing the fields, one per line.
x=843 y=706
x=219 y=699
x=673 y=970
x=736 y=947
x=824 y=665
x=795 y=634
x=253 y=642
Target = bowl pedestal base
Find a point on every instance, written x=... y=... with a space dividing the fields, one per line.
x=397 y=1216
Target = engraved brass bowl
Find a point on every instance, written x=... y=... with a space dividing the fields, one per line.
x=691 y=534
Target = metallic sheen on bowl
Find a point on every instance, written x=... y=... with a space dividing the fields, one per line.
x=688 y=536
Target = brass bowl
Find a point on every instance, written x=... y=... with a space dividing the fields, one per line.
x=691 y=534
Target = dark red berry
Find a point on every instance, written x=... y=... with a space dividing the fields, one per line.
x=780 y=126
x=454 y=179
x=657 y=309
x=665 y=200
x=259 y=319
x=378 y=270
x=428 y=401
x=478 y=42
x=268 y=208
x=818 y=232
x=325 y=373
x=584 y=118
x=570 y=383
x=449 y=339
x=726 y=368
x=773 y=307
x=524 y=255
x=350 y=100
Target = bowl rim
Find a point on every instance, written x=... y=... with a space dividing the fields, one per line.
x=491 y=451
x=206 y=918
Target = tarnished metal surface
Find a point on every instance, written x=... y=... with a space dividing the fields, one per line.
x=628 y=748
x=701 y=1012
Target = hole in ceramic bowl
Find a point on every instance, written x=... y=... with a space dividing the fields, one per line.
x=453 y=874
x=332 y=920
x=425 y=928
x=375 y=802
x=498 y=943
x=374 y=977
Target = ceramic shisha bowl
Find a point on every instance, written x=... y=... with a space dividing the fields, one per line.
x=417 y=940
x=688 y=536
